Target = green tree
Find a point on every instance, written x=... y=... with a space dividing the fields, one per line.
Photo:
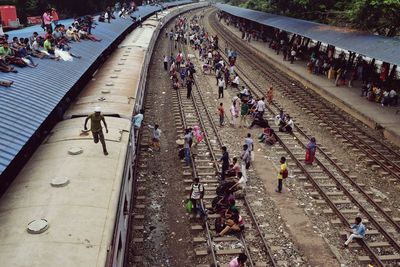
x=378 y=16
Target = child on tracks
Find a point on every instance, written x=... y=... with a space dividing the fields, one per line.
x=282 y=174
x=155 y=137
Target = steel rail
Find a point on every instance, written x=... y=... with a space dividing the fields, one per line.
x=323 y=115
x=194 y=171
x=331 y=161
x=252 y=215
x=376 y=224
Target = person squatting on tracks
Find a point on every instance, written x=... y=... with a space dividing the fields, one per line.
x=357 y=230
x=95 y=127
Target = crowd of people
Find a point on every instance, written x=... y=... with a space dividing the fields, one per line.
x=54 y=44
x=341 y=69
x=233 y=172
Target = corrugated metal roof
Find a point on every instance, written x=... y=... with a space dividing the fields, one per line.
x=36 y=92
x=380 y=47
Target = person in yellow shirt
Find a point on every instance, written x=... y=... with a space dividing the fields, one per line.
x=282 y=174
x=95 y=126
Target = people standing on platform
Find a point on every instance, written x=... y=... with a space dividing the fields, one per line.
x=292 y=55
x=270 y=95
x=357 y=230
x=225 y=162
x=310 y=151
x=137 y=119
x=156 y=136
x=282 y=174
x=221 y=86
x=189 y=85
x=393 y=97
x=95 y=127
x=221 y=114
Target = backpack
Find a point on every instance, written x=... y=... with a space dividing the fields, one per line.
x=285 y=174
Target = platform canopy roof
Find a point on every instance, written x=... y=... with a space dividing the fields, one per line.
x=37 y=92
x=382 y=48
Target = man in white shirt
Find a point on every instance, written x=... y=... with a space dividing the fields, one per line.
x=235 y=82
x=261 y=106
x=288 y=127
x=221 y=86
x=393 y=97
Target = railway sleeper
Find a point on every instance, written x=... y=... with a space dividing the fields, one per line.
x=353 y=211
x=393 y=257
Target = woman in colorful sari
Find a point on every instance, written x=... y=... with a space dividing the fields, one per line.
x=310 y=151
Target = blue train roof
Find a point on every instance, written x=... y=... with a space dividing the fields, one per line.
x=37 y=92
x=374 y=46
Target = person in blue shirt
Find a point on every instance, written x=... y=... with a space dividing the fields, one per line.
x=357 y=230
x=137 y=119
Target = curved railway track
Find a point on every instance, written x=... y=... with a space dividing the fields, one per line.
x=194 y=111
x=344 y=196
x=380 y=155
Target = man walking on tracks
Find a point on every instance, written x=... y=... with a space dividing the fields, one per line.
x=96 y=129
x=189 y=85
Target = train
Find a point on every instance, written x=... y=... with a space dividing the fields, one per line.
x=69 y=205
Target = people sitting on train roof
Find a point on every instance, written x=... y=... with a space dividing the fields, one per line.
x=19 y=50
x=9 y=57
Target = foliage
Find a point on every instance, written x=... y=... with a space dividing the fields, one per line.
x=376 y=16
x=65 y=8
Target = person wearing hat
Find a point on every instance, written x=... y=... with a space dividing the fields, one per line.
x=96 y=129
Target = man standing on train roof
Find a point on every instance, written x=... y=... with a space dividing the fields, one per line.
x=96 y=129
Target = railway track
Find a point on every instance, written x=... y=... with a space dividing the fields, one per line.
x=194 y=111
x=379 y=155
x=345 y=197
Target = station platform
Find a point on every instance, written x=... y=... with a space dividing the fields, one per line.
x=348 y=99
